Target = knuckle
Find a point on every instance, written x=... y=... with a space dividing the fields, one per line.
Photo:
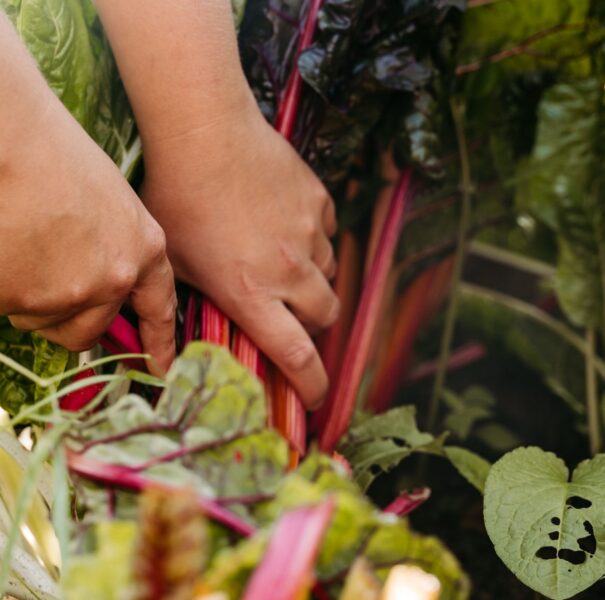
x=156 y=242
x=30 y=303
x=76 y=295
x=123 y=279
x=292 y=261
x=299 y=355
x=309 y=227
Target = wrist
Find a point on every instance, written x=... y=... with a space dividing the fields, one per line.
x=211 y=136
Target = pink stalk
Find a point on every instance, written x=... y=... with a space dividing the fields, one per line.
x=118 y=476
x=288 y=108
x=415 y=308
x=459 y=358
x=79 y=399
x=189 y=320
x=286 y=571
x=216 y=328
x=408 y=502
x=124 y=338
x=247 y=353
x=288 y=411
x=289 y=415
x=341 y=401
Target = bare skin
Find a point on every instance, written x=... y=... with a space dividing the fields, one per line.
x=67 y=263
x=246 y=220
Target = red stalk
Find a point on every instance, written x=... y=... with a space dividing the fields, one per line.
x=189 y=320
x=81 y=398
x=408 y=502
x=288 y=108
x=122 y=337
x=289 y=415
x=118 y=476
x=341 y=401
x=247 y=353
x=215 y=325
x=459 y=358
x=286 y=571
x=416 y=306
x=390 y=174
x=288 y=411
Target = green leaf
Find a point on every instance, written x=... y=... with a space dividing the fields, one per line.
x=381 y=442
x=357 y=529
x=471 y=466
x=104 y=574
x=208 y=431
x=546 y=525
x=502 y=25
x=564 y=188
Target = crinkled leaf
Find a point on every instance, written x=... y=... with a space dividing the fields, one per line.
x=207 y=432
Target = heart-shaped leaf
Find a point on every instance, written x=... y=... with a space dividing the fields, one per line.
x=548 y=527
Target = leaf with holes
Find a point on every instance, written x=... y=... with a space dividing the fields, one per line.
x=546 y=526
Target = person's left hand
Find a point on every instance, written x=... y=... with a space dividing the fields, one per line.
x=248 y=223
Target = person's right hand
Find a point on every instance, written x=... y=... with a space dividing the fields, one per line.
x=75 y=240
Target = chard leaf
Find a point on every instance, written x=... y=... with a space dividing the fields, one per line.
x=208 y=431
x=546 y=525
x=564 y=189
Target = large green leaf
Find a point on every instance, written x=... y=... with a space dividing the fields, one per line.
x=564 y=188
x=208 y=431
x=546 y=525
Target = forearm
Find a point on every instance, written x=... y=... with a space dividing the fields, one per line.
x=179 y=62
x=24 y=95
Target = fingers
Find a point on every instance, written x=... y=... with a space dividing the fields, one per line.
x=82 y=331
x=279 y=334
x=313 y=301
x=35 y=323
x=154 y=301
x=329 y=218
x=323 y=257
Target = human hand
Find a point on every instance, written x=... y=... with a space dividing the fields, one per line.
x=248 y=223
x=75 y=241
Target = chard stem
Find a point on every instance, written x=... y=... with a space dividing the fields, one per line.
x=461 y=246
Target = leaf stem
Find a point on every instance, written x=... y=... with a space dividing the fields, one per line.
x=461 y=245
x=592 y=394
